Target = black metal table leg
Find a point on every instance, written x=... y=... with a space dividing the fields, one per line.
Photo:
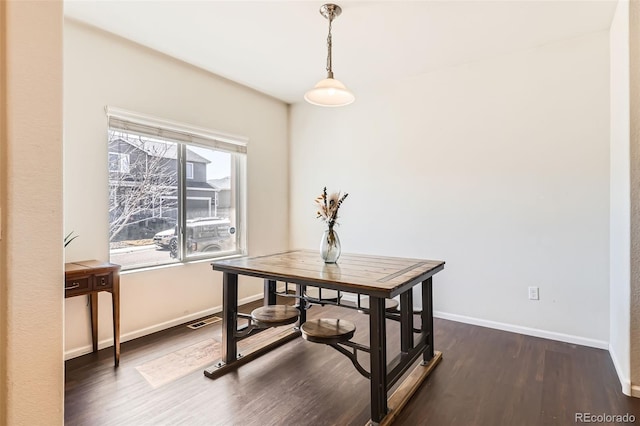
x=229 y=360
x=230 y=318
x=300 y=290
x=427 y=318
x=378 y=345
x=406 y=321
x=269 y=292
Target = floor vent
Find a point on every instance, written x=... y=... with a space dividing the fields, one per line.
x=199 y=324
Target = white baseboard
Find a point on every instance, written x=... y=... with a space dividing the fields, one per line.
x=83 y=350
x=552 y=335
x=625 y=381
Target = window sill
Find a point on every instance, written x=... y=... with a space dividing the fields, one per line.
x=179 y=264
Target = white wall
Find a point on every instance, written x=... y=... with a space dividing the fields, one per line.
x=634 y=159
x=500 y=168
x=31 y=270
x=101 y=69
x=619 y=255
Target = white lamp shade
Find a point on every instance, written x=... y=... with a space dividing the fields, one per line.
x=329 y=92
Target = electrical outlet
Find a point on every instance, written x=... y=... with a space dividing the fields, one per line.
x=533 y=293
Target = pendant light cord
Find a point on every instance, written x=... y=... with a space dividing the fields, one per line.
x=329 y=71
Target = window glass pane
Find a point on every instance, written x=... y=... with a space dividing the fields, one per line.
x=143 y=187
x=211 y=223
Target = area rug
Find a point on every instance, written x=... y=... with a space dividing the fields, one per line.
x=174 y=365
x=167 y=368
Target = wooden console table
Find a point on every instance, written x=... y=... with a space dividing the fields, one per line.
x=91 y=277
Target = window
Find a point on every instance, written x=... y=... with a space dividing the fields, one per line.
x=176 y=192
x=118 y=162
x=189 y=170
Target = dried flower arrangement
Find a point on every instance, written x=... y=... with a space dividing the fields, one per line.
x=328 y=206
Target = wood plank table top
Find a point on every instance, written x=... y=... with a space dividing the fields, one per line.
x=373 y=275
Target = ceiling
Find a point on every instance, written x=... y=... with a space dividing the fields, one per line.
x=279 y=47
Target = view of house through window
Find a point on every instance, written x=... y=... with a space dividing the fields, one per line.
x=160 y=212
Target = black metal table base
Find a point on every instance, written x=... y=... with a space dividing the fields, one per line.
x=221 y=367
x=382 y=376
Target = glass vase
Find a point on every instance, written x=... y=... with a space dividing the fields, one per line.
x=330 y=246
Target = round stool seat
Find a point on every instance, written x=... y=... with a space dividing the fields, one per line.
x=275 y=315
x=390 y=305
x=328 y=330
x=327 y=294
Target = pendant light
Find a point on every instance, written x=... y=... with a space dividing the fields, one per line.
x=329 y=92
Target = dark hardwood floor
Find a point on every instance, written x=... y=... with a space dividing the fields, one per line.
x=486 y=377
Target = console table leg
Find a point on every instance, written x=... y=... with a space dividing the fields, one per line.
x=93 y=308
x=115 y=302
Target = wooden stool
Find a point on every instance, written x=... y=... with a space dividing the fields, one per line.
x=275 y=315
x=336 y=333
x=328 y=330
x=390 y=305
x=327 y=294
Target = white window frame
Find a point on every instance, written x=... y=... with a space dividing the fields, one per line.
x=187 y=134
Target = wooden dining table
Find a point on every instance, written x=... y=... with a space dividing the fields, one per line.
x=374 y=277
